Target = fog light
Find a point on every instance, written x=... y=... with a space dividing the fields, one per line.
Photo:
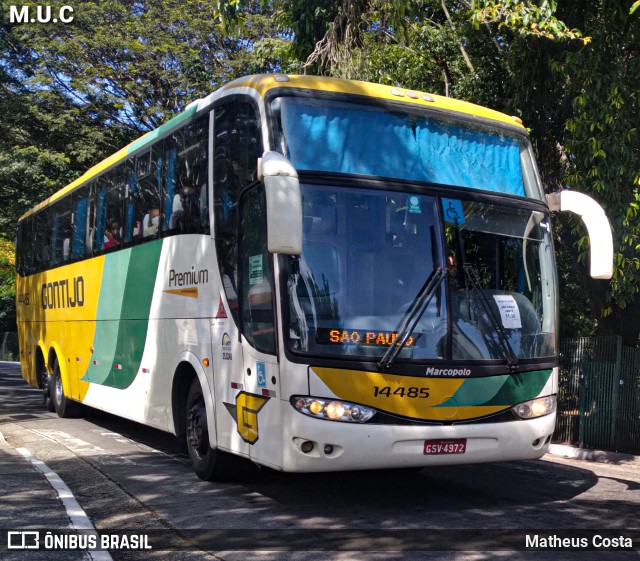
x=306 y=446
x=536 y=407
x=328 y=449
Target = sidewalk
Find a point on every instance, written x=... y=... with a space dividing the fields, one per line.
x=602 y=456
x=28 y=502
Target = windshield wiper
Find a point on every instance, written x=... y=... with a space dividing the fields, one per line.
x=412 y=317
x=472 y=279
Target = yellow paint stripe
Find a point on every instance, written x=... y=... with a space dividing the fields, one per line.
x=402 y=395
x=191 y=292
x=264 y=83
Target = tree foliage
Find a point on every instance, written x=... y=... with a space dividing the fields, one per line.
x=73 y=93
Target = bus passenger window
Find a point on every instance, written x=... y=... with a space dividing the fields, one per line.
x=42 y=228
x=143 y=204
x=238 y=145
x=61 y=233
x=258 y=319
x=116 y=184
x=79 y=223
x=186 y=188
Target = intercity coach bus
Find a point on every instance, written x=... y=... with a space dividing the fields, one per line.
x=314 y=274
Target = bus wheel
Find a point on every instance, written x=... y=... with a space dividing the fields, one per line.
x=208 y=463
x=64 y=406
x=46 y=384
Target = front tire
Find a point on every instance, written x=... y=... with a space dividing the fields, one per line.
x=209 y=464
x=64 y=406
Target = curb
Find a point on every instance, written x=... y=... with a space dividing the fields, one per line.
x=601 y=456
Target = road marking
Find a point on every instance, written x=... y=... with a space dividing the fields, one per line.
x=185 y=460
x=82 y=448
x=77 y=516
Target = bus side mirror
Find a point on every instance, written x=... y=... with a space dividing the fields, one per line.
x=284 y=204
x=594 y=218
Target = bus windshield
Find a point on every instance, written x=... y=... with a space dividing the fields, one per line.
x=368 y=254
x=329 y=135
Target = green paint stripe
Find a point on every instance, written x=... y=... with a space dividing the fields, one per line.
x=124 y=305
x=507 y=389
x=108 y=315
x=521 y=387
x=136 y=306
x=476 y=391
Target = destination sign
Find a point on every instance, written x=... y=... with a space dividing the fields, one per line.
x=360 y=337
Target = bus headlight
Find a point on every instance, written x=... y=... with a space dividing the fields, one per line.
x=536 y=407
x=332 y=409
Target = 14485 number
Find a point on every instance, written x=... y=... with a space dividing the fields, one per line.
x=401 y=391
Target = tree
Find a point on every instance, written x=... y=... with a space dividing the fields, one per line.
x=604 y=147
x=7 y=286
x=566 y=69
x=75 y=93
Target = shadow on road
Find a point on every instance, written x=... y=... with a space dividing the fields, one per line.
x=528 y=494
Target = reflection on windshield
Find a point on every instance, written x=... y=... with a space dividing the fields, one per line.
x=368 y=254
x=365 y=139
x=501 y=280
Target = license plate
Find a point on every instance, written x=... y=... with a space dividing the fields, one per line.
x=441 y=446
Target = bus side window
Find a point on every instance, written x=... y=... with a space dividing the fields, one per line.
x=186 y=195
x=80 y=220
x=42 y=228
x=142 y=206
x=237 y=147
x=257 y=318
x=116 y=187
x=61 y=232
x=100 y=214
x=24 y=247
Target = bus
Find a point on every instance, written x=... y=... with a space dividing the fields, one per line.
x=310 y=273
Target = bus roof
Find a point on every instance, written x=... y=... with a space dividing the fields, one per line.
x=263 y=84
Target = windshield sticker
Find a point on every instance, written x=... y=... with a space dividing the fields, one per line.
x=414 y=205
x=255 y=269
x=453 y=211
x=509 y=311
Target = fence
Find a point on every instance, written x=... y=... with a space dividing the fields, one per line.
x=599 y=394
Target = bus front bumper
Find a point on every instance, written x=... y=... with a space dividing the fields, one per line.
x=315 y=445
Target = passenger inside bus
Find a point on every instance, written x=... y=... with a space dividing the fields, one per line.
x=112 y=236
x=150 y=223
x=185 y=215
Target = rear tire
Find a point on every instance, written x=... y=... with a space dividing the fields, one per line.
x=209 y=464
x=64 y=406
x=46 y=382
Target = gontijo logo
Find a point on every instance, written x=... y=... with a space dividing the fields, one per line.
x=64 y=293
x=40 y=14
